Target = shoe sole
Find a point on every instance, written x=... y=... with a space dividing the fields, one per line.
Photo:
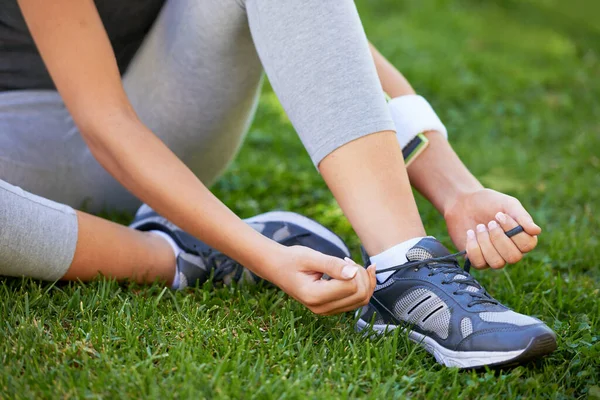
x=303 y=222
x=537 y=347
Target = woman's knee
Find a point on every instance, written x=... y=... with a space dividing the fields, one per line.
x=37 y=236
x=195 y=81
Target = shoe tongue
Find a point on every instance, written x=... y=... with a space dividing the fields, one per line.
x=426 y=248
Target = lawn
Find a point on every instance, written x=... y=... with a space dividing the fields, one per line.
x=518 y=85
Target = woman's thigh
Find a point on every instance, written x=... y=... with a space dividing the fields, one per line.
x=195 y=81
x=42 y=152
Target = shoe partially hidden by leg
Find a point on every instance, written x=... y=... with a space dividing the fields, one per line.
x=198 y=261
x=451 y=315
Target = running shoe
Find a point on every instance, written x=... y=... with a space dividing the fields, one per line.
x=450 y=314
x=198 y=261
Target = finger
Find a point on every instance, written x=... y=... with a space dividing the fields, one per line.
x=518 y=213
x=358 y=299
x=335 y=267
x=320 y=292
x=523 y=240
x=372 y=270
x=350 y=261
x=474 y=251
x=507 y=249
x=492 y=258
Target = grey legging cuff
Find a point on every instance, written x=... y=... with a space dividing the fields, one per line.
x=37 y=236
x=317 y=58
x=194 y=83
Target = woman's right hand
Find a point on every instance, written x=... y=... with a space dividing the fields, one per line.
x=298 y=272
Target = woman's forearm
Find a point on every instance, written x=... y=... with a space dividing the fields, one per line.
x=147 y=168
x=437 y=173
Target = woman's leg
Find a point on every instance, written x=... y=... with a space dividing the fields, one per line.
x=43 y=239
x=317 y=58
x=195 y=82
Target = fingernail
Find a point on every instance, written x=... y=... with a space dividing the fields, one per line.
x=481 y=228
x=492 y=225
x=349 y=260
x=349 y=271
x=501 y=217
x=470 y=234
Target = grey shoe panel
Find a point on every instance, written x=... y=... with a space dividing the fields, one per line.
x=451 y=335
x=191 y=270
x=504 y=338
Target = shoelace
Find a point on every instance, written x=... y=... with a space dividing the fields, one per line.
x=449 y=265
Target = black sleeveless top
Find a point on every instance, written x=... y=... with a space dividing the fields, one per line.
x=126 y=21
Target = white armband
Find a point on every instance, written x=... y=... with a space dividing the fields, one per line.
x=412 y=115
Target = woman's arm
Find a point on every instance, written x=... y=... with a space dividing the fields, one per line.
x=76 y=50
x=440 y=175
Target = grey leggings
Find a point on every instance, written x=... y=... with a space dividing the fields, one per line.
x=194 y=83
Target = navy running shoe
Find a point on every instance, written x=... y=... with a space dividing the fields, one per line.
x=450 y=314
x=198 y=261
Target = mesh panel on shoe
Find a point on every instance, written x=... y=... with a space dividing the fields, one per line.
x=409 y=300
x=438 y=323
x=423 y=310
x=466 y=327
x=418 y=305
x=183 y=282
x=385 y=284
x=508 y=317
x=417 y=253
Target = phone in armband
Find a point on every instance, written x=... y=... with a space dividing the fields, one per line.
x=415 y=147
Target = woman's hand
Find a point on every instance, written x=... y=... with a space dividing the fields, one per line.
x=477 y=221
x=299 y=271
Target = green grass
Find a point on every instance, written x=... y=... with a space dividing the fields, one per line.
x=518 y=85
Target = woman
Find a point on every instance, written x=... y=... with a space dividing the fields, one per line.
x=157 y=115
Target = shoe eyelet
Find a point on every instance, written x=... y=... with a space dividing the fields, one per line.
x=455 y=294
x=429 y=274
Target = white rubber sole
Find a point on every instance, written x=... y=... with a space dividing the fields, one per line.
x=447 y=357
x=303 y=222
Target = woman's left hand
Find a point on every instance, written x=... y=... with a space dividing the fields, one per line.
x=477 y=222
